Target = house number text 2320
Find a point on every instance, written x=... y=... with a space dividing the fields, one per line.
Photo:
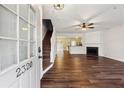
x=21 y=70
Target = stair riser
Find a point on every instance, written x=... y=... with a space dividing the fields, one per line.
x=46 y=50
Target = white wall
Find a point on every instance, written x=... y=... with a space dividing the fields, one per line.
x=53 y=47
x=93 y=37
x=60 y=47
x=114 y=43
x=70 y=34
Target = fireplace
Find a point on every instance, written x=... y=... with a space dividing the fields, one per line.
x=92 y=51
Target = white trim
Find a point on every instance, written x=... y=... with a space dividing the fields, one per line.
x=18 y=42
x=27 y=21
x=10 y=10
x=92 y=43
x=23 y=40
x=24 y=60
x=22 y=18
x=8 y=38
x=13 y=66
x=32 y=24
x=48 y=68
x=117 y=59
x=33 y=57
x=29 y=32
x=17 y=34
x=7 y=69
x=32 y=41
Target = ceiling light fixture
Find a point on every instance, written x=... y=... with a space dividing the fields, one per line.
x=84 y=29
x=58 y=6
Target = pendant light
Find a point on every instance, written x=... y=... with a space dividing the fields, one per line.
x=58 y=6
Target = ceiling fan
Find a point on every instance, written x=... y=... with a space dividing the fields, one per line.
x=82 y=26
x=86 y=26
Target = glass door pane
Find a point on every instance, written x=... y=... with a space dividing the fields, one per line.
x=32 y=33
x=32 y=49
x=23 y=29
x=23 y=11
x=8 y=55
x=12 y=7
x=23 y=50
x=32 y=16
x=8 y=22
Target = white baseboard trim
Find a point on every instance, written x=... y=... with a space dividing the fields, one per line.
x=48 y=68
x=114 y=58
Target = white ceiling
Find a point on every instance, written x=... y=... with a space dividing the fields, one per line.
x=104 y=16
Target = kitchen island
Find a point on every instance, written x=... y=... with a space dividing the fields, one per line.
x=76 y=50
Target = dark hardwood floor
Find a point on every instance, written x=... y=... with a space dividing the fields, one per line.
x=80 y=71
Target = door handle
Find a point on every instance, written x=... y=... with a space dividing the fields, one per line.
x=39 y=57
x=39 y=49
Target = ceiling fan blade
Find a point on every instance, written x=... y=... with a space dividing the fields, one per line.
x=91 y=27
x=90 y=24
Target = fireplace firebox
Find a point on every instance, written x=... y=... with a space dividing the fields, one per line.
x=92 y=51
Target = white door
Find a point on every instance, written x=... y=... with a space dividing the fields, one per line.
x=19 y=63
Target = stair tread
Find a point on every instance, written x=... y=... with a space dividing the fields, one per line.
x=46 y=50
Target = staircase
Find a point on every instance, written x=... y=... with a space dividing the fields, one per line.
x=46 y=50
